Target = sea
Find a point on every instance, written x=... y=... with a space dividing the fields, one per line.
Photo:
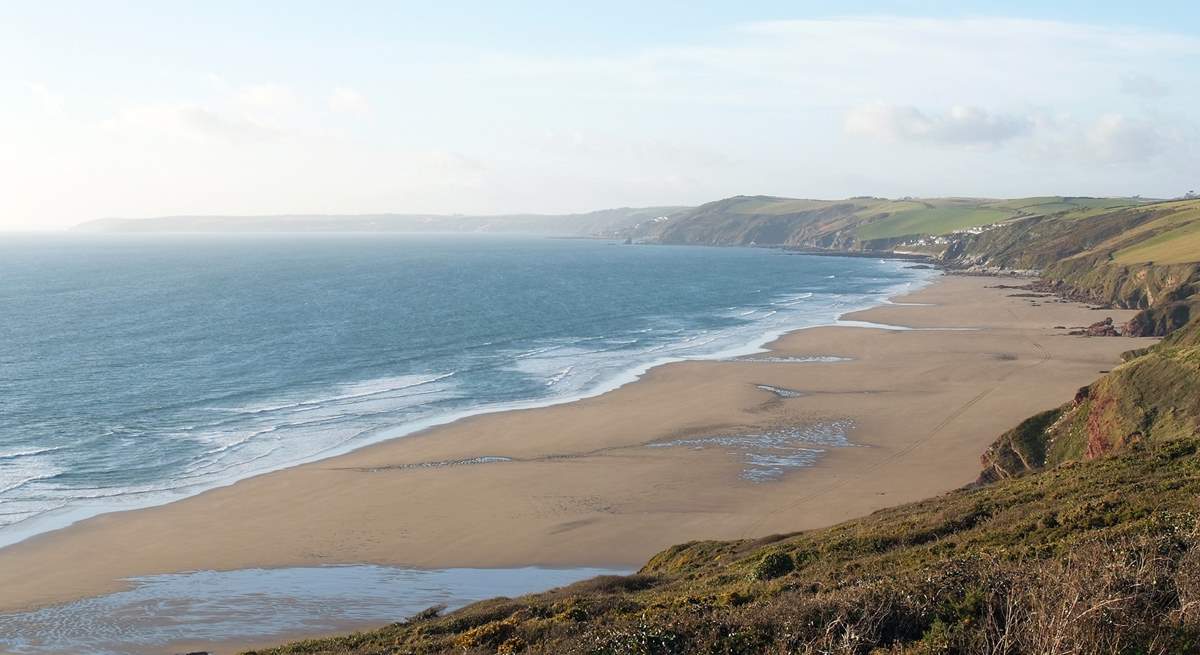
x=140 y=369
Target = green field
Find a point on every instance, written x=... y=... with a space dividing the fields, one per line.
x=945 y=215
x=931 y=220
x=771 y=205
x=1055 y=204
x=1176 y=246
x=773 y=220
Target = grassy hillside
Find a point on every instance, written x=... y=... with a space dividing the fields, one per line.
x=851 y=224
x=1043 y=205
x=932 y=220
x=764 y=220
x=1099 y=554
x=944 y=216
x=1142 y=257
x=1159 y=233
x=1154 y=397
x=1176 y=240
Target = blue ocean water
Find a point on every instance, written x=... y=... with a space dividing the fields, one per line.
x=139 y=369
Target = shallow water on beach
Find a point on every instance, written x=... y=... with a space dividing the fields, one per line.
x=208 y=607
x=140 y=369
x=768 y=454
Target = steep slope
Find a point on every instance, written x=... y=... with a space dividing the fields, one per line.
x=861 y=223
x=1155 y=397
x=1143 y=257
x=1114 y=251
x=1098 y=554
x=763 y=220
x=1120 y=251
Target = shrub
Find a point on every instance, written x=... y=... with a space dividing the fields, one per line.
x=773 y=565
x=512 y=645
x=489 y=634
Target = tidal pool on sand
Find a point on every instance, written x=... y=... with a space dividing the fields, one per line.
x=260 y=604
x=768 y=454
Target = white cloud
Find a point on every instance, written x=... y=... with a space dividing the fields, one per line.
x=189 y=121
x=1111 y=138
x=273 y=105
x=883 y=29
x=1144 y=86
x=619 y=149
x=1116 y=138
x=267 y=97
x=47 y=101
x=348 y=101
x=256 y=113
x=959 y=125
x=817 y=108
x=853 y=60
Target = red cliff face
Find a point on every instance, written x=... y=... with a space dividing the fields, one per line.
x=1107 y=431
x=1099 y=441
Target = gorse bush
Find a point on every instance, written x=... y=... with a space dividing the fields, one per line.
x=772 y=565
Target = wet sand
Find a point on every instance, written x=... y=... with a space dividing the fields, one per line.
x=579 y=484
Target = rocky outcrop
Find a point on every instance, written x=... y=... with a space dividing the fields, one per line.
x=1103 y=328
x=1161 y=320
x=1138 y=286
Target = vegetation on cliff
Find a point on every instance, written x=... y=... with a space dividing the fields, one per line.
x=863 y=223
x=1114 y=251
x=1154 y=397
x=1140 y=257
x=1086 y=542
x=1126 y=252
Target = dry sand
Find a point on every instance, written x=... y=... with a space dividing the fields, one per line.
x=584 y=489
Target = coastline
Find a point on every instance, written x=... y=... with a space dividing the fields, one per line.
x=753 y=340
x=580 y=487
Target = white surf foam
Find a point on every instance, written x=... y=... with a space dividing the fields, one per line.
x=245 y=440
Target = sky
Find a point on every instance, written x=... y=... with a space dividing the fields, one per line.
x=138 y=109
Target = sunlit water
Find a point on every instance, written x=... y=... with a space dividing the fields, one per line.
x=135 y=370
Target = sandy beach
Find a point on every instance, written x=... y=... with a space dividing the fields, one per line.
x=580 y=484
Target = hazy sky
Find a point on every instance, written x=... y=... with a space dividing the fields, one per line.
x=152 y=108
